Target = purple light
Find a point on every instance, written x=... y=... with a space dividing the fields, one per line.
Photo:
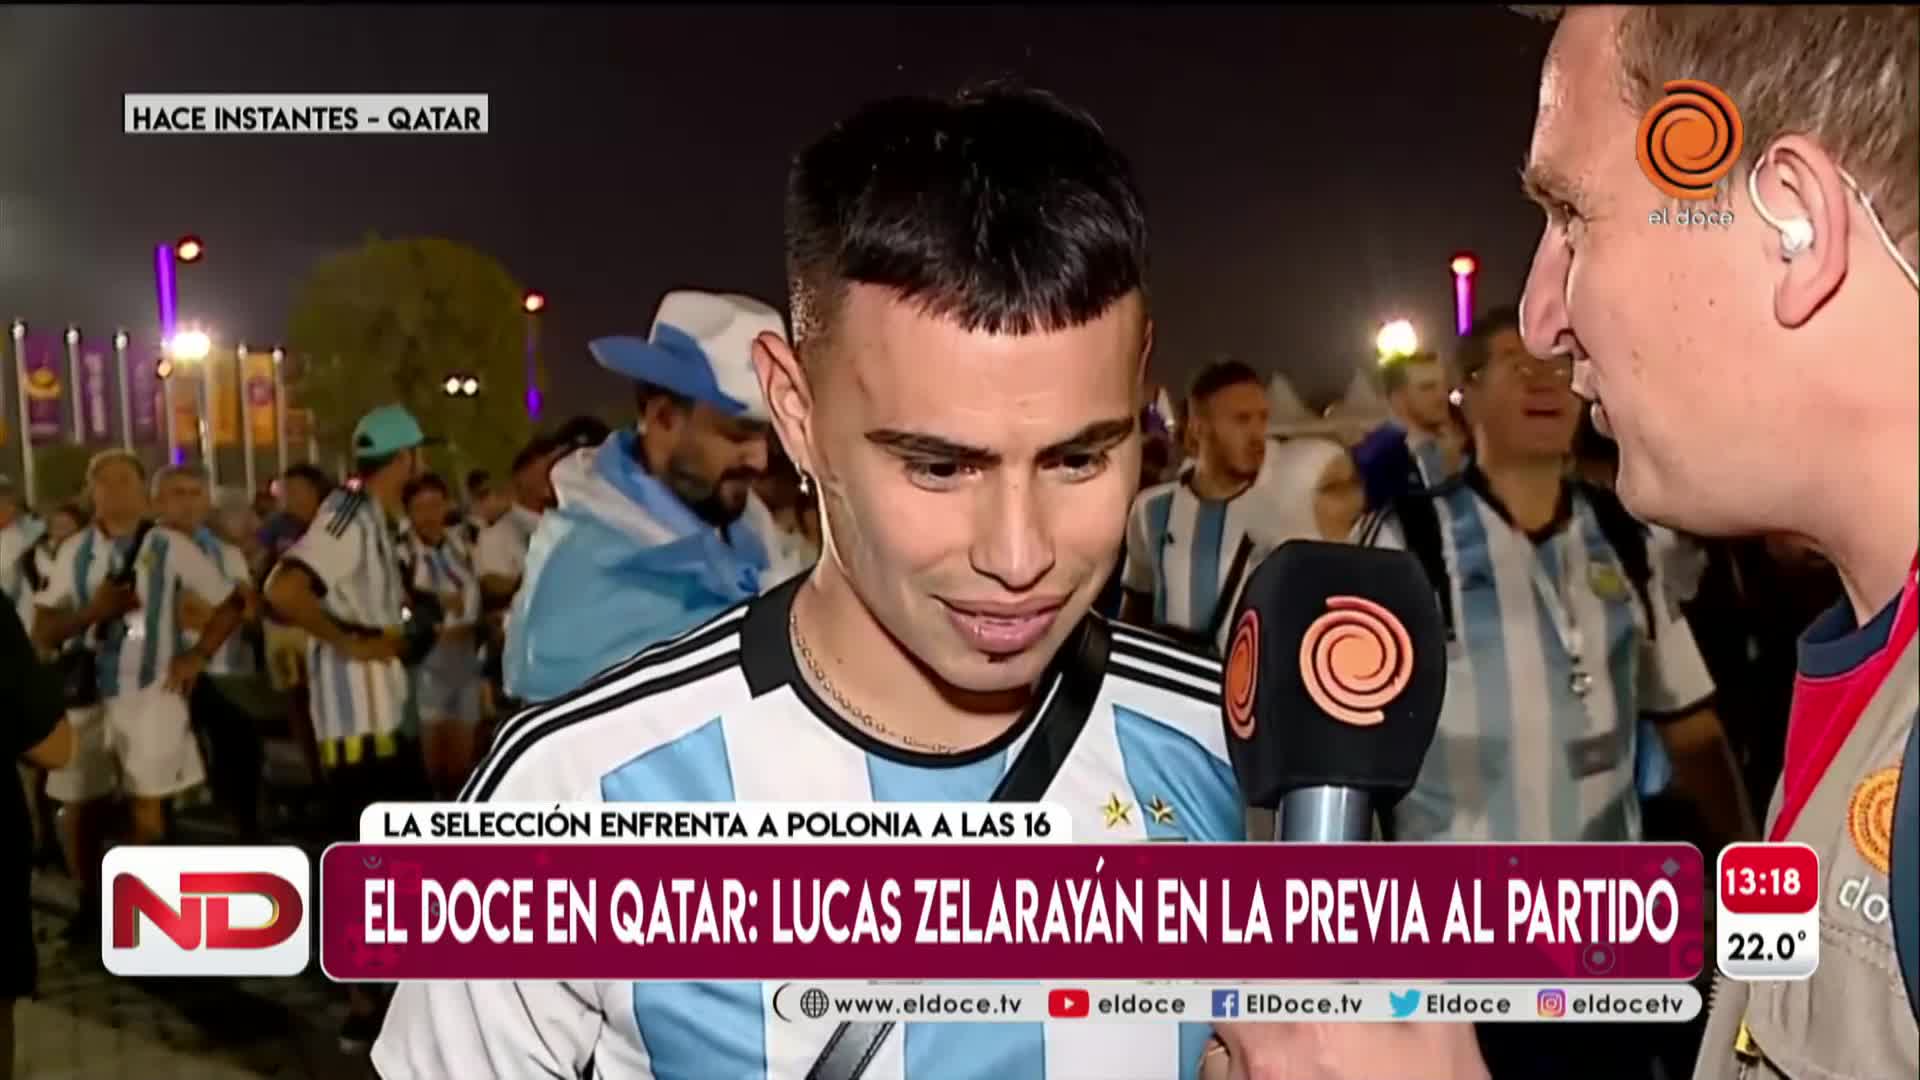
x=163 y=285
x=533 y=402
x=179 y=456
x=1463 y=304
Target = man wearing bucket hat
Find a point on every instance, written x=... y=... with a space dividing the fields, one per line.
x=653 y=532
x=342 y=584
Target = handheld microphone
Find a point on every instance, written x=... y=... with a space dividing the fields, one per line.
x=1334 y=678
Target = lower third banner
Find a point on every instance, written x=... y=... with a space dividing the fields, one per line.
x=606 y=911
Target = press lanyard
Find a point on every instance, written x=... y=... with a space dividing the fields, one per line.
x=1555 y=597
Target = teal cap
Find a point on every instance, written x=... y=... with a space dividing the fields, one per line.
x=386 y=431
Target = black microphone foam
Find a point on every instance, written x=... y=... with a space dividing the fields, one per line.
x=1335 y=672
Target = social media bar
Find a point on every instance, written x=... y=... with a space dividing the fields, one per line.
x=1134 y=1002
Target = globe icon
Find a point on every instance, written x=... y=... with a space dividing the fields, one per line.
x=814 y=1003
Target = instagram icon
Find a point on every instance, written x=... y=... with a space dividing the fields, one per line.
x=1553 y=1004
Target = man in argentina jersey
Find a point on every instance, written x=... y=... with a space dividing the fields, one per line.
x=1555 y=659
x=136 y=740
x=975 y=446
x=1185 y=538
x=233 y=740
x=342 y=584
x=447 y=684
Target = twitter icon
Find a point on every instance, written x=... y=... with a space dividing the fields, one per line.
x=1404 y=1003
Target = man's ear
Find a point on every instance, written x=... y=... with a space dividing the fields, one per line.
x=789 y=399
x=1800 y=180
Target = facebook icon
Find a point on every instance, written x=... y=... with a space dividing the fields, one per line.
x=1226 y=1004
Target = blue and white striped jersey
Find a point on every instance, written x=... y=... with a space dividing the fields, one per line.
x=446 y=570
x=1520 y=754
x=721 y=714
x=1181 y=548
x=135 y=650
x=349 y=550
x=236 y=656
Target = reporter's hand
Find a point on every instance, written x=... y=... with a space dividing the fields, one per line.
x=1345 y=1052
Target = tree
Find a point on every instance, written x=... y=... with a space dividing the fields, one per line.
x=390 y=321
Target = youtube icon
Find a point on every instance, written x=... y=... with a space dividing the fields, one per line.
x=1067 y=1004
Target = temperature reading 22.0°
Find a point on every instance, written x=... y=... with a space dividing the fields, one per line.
x=1769 y=920
x=1757 y=948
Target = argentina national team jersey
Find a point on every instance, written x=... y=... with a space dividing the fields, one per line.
x=134 y=651
x=1181 y=549
x=722 y=714
x=1519 y=754
x=349 y=551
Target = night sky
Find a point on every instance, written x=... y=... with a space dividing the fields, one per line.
x=1308 y=172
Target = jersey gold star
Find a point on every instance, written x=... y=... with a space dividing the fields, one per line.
x=1118 y=813
x=1161 y=811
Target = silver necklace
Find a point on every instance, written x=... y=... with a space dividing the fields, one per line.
x=865 y=718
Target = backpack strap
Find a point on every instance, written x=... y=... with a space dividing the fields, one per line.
x=1419 y=522
x=1229 y=590
x=1628 y=538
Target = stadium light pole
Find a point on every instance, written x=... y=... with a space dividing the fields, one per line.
x=79 y=432
x=26 y=414
x=126 y=394
x=1464 y=267
x=533 y=303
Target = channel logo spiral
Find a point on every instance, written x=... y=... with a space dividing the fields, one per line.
x=1355 y=659
x=1243 y=674
x=1690 y=139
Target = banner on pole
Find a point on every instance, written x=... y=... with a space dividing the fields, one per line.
x=225 y=407
x=97 y=419
x=187 y=392
x=257 y=371
x=143 y=387
x=44 y=389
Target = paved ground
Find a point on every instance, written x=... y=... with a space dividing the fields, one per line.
x=87 y=1023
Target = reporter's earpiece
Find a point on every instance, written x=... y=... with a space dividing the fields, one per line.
x=1796 y=234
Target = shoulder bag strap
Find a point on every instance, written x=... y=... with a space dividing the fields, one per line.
x=854 y=1043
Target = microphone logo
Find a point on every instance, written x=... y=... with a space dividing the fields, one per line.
x=1353 y=660
x=1243 y=667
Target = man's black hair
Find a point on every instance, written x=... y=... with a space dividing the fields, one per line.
x=537 y=447
x=315 y=476
x=1219 y=375
x=424 y=482
x=580 y=432
x=1476 y=349
x=1002 y=209
x=479 y=482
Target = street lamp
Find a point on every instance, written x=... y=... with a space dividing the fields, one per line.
x=1464 y=266
x=26 y=413
x=190 y=345
x=533 y=303
x=1397 y=339
x=73 y=385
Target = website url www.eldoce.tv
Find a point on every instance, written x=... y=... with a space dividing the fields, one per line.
x=803 y=1002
